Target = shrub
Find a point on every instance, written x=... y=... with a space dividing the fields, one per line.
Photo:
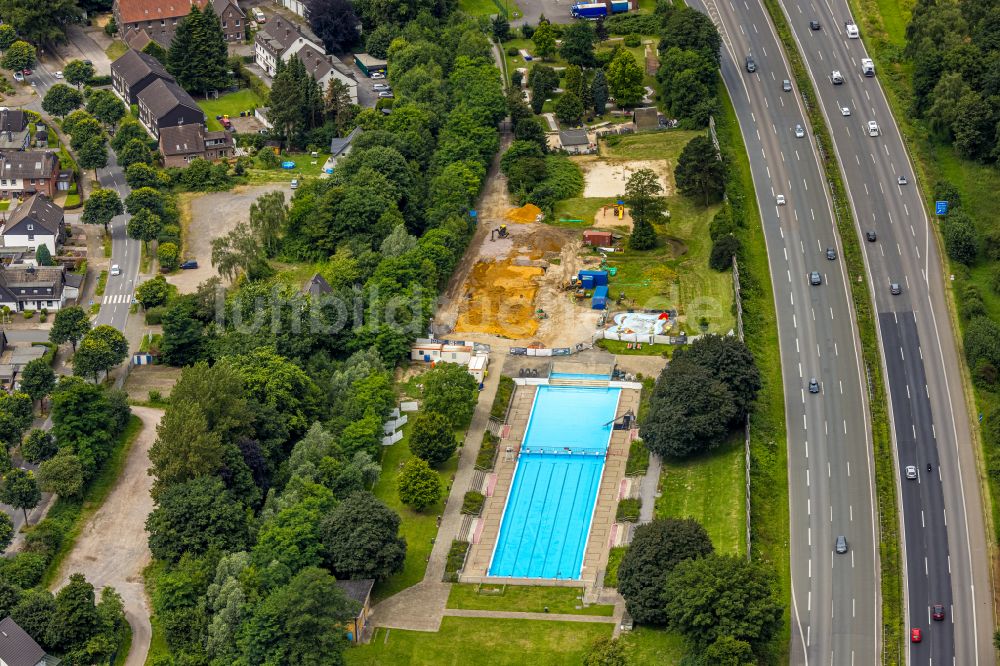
x=487 y=455
x=505 y=389
x=167 y=255
x=472 y=505
x=512 y=51
x=723 y=251
x=28 y=314
x=628 y=510
x=629 y=24
x=632 y=41
x=419 y=485
x=615 y=556
x=154 y=316
x=638 y=458
x=456 y=560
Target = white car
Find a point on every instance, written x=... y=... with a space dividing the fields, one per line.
x=873 y=129
x=294 y=184
x=780 y=200
x=799 y=132
x=911 y=472
x=58 y=74
x=377 y=75
x=845 y=110
x=836 y=77
x=381 y=86
x=852 y=30
x=386 y=94
x=116 y=269
x=18 y=76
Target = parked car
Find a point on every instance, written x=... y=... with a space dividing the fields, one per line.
x=18 y=76
x=27 y=71
x=189 y=264
x=58 y=74
x=377 y=75
x=116 y=269
x=295 y=183
x=386 y=94
x=381 y=86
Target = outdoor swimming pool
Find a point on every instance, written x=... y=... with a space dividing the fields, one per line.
x=546 y=521
x=576 y=375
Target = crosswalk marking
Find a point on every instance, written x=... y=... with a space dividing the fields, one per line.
x=117 y=298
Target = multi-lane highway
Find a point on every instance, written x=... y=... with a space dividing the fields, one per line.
x=946 y=557
x=835 y=613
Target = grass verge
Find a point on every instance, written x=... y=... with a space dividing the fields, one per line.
x=116 y=50
x=159 y=651
x=524 y=598
x=638 y=458
x=885 y=479
x=615 y=556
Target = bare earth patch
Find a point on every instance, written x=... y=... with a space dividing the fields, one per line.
x=604 y=177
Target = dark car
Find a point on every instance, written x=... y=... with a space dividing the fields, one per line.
x=813 y=385
x=895 y=289
x=937 y=612
x=814 y=25
x=831 y=254
x=88 y=62
x=815 y=278
x=841 y=544
x=751 y=65
x=191 y=263
x=870 y=235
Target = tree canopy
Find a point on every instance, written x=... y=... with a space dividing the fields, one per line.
x=361 y=539
x=432 y=438
x=700 y=173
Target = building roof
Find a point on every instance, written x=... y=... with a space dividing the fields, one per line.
x=315 y=61
x=20 y=282
x=161 y=96
x=27 y=164
x=40 y=210
x=279 y=33
x=357 y=590
x=138 y=39
x=339 y=145
x=133 y=66
x=133 y=11
x=182 y=139
x=13 y=120
x=575 y=137
x=17 y=648
x=317 y=286
x=646 y=118
x=370 y=61
x=216 y=135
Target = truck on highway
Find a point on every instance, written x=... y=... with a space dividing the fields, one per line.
x=868 y=67
x=596 y=10
x=852 y=30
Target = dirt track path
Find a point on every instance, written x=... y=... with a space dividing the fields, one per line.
x=112 y=548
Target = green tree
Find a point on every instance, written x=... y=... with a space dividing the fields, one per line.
x=146 y=198
x=642 y=194
x=731 y=362
x=578 y=44
x=128 y=130
x=101 y=349
x=153 y=292
x=294 y=624
x=135 y=151
x=71 y=323
x=724 y=248
x=419 y=485
x=40 y=22
x=7 y=36
x=61 y=99
x=606 y=651
x=961 y=241
x=19 y=55
x=141 y=174
x=599 y=92
x=106 y=107
x=198 y=55
x=700 y=173
x=450 y=390
x=38 y=379
x=723 y=595
x=85 y=421
x=62 y=475
x=93 y=154
x=185 y=447
x=499 y=28
x=268 y=218
x=43 y=257
x=38 y=446
x=75 y=619
x=157 y=51
x=145 y=226
x=182 y=334
x=20 y=490
x=544 y=40
x=168 y=255
x=193 y=516
x=432 y=438
x=8 y=593
x=727 y=651
x=101 y=206
x=655 y=550
x=543 y=81
x=16 y=414
x=82 y=128
x=569 y=109
x=691 y=30
x=625 y=79
x=367 y=548
x=78 y=72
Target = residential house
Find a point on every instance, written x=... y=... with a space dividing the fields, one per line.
x=133 y=72
x=26 y=172
x=575 y=142
x=317 y=287
x=280 y=39
x=159 y=18
x=325 y=69
x=359 y=591
x=340 y=147
x=36 y=222
x=165 y=104
x=14 y=134
x=181 y=144
x=26 y=287
x=17 y=648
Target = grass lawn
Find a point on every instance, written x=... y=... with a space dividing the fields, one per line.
x=230 y=103
x=709 y=489
x=469 y=641
x=116 y=50
x=621 y=348
x=419 y=529
x=645 y=645
x=488 y=8
x=667 y=145
x=306 y=166
x=524 y=598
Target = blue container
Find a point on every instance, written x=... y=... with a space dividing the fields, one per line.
x=587 y=281
x=600 y=298
x=599 y=277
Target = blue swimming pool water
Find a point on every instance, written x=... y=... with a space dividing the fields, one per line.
x=576 y=375
x=547 y=518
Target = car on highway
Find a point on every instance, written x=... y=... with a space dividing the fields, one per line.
x=751 y=65
x=901 y=180
x=58 y=74
x=813 y=385
x=786 y=85
x=189 y=264
x=799 y=132
x=852 y=30
x=845 y=111
x=381 y=86
x=911 y=471
x=895 y=289
x=814 y=25
x=873 y=129
x=815 y=279
x=116 y=269
x=916 y=635
x=780 y=200
x=841 y=544
x=836 y=77
x=831 y=254
x=937 y=612
x=870 y=235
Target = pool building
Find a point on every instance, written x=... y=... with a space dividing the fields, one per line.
x=553 y=494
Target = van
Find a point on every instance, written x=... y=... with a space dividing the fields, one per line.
x=868 y=67
x=873 y=128
x=258 y=16
x=852 y=30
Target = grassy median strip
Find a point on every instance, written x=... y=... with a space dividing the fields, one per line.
x=885 y=478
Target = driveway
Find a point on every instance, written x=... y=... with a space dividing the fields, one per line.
x=112 y=548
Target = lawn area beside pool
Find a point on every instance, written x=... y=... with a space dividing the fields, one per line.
x=231 y=104
x=467 y=641
x=524 y=598
x=306 y=166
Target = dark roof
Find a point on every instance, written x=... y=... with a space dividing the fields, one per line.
x=17 y=648
x=133 y=66
x=32 y=283
x=339 y=144
x=161 y=97
x=573 y=138
x=317 y=286
x=646 y=117
x=315 y=61
x=27 y=164
x=279 y=33
x=357 y=590
x=182 y=140
x=13 y=120
x=40 y=210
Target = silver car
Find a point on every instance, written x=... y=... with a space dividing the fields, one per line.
x=799 y=132
x=911 y=471
x=841 y=544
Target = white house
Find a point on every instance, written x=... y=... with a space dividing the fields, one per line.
x=325 y=69
x=24 y=287
x=35 y=222
x=297 y=6
x=280 y=39
x=462 y=353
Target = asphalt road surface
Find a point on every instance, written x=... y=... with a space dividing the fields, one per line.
x=835 y=613
x=946 y=557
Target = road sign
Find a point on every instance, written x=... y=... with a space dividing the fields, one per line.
x=941 y=207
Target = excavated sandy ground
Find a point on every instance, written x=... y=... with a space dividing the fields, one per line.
x=604 y=177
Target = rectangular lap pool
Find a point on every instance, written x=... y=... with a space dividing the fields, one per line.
x=546 y=520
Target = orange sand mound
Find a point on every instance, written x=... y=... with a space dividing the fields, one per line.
x=525 y=214
x=500 y=300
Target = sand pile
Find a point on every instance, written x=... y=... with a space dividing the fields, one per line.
x=500 y=300
x=525 y=214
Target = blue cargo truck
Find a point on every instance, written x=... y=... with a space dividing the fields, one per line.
x=596 y=10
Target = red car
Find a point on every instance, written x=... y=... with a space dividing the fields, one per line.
x=916 y=636
x=26 y=71
x=937 y=611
